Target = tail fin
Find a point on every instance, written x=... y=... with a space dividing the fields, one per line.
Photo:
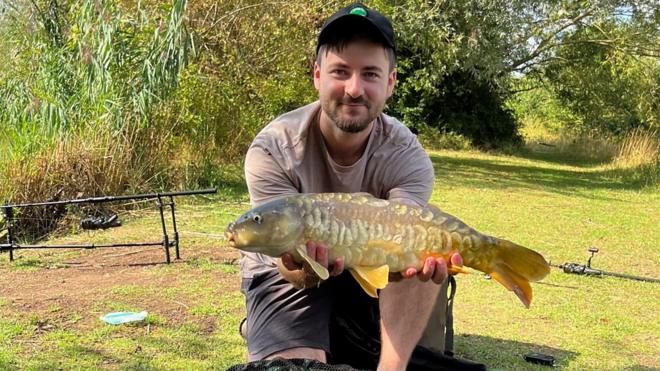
x=515 y=266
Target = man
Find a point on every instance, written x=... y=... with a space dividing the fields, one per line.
x=343 y=143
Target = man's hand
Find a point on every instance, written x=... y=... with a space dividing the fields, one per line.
x=435 y=269
x=302 y=275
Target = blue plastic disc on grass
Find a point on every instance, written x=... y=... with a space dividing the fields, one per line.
x=117 y=318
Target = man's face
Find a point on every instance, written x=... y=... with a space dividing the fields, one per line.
x=354 y=84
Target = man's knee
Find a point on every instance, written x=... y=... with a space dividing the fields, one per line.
x=306 y=353
x=276 y=320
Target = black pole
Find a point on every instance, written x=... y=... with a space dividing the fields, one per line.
x=575 y=268
x=166 y=240
x=11 y=240
x=630 y=277
x=9 y=216
x=176 y=232
x=115 y=198
x=82 y=246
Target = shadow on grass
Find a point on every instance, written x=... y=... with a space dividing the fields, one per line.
x=553 y=156
x=641 y=368
x=506 y=354
x=499 y=174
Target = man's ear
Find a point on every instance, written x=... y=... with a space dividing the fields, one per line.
x=317 y=76
x=391 y=81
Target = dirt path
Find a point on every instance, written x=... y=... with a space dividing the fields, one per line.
x=53 y=296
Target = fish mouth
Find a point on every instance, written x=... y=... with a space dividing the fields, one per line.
x=230 y=238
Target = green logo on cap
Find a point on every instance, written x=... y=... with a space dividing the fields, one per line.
x=358 y=11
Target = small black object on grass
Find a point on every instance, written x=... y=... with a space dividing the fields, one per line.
x=541 y=359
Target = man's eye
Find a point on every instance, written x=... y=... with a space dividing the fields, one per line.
x=371 y=75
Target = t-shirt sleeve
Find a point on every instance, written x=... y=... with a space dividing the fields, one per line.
x=265 y=178
x=412 y=176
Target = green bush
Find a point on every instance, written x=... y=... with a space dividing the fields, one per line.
x=433 y=138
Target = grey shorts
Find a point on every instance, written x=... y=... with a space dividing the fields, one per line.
x=337 y=317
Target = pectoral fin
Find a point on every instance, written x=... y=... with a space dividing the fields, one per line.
x=371 y=279
x=320 y=270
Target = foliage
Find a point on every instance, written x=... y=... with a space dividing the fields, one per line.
x=598 y=75
x=240 y=79
x=609 y=90
x=467 y=52
x=540 y=111
x=433 y=139
x=78 y=66
x=448 y=75
x=76 y=105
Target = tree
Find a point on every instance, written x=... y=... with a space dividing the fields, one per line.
x=609 y=88
x=452 y=50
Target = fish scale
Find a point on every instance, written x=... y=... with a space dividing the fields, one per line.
x=404 y=222
x=376 y=236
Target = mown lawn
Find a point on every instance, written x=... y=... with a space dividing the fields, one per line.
x=50 y=301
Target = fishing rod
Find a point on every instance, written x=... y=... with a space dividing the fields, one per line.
x=8 y=221
x=587 y=270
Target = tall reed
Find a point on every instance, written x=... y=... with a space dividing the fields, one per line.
x=640 y=147
x=639 y=153
x=76 y=106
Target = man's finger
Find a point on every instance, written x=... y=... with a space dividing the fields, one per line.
x=322 y=255
x=288 y=263
x=427 y=270
x=338 y=267
x=456 y=259
x=311 y=249
x=440 y=273
x=409 y=273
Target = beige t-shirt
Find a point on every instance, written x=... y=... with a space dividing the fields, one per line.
x=289 y=156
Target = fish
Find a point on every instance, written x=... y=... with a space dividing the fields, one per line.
x=377 y=237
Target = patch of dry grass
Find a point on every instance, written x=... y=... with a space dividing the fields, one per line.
x=85 y=164
x=639 y=153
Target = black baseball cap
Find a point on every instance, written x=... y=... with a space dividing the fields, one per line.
x=357 y=17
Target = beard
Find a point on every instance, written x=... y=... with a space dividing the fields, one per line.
x=350 y=125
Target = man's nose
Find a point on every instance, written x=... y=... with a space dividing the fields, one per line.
x=354 y=87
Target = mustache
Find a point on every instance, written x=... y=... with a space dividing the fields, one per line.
x=350 y=100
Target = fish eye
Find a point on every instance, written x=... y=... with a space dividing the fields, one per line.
x=257 y=218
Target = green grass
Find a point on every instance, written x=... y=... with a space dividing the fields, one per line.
x=553 y=204
x=560 y=209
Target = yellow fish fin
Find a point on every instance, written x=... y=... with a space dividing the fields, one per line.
x=515 y=266
x=371 y=279
x=320 y=270
x=514 y=282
